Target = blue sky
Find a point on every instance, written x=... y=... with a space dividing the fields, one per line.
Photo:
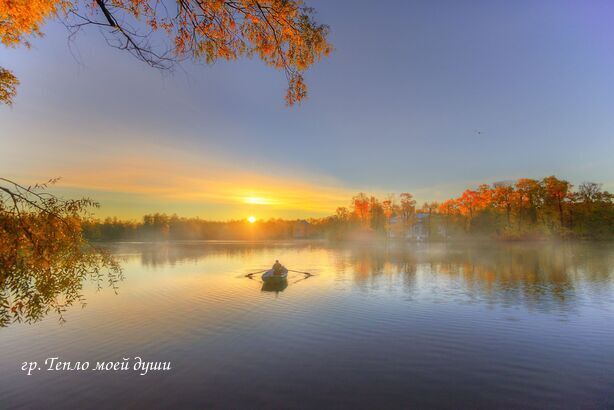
x=395 y=108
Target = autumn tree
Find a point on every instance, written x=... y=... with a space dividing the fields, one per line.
x=556 y=192
x=430 y=208
x=377 y=215
x=8 y=86
x=162 y=33
x=448 y=209
x=407 y=210
x=360 y=208
x=44 y=257
x=342 y=214
x=594 y=211
x=390 y=208
x=589 y=193
x=503 y=199
x=527 y=199
x=468 y=204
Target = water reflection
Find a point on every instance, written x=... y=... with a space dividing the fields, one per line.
x=38 y=285
x=274 y=286
x=534 y=274
x=490 y=325
x=541 y=275
x=169 y=254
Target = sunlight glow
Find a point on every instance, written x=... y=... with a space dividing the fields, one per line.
x=258 y=200
x=193 y=188
x=251 y=219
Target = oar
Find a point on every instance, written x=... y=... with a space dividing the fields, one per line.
x=249 y=275
x=304 y=273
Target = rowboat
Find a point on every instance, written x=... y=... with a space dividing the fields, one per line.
x=270 y=276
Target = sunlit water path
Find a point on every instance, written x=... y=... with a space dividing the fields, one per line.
x=509 y=325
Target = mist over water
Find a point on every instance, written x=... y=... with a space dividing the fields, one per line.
x=484 y=324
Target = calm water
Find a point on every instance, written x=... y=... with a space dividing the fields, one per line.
x=507 y=326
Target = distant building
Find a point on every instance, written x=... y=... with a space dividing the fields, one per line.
x=418 y=231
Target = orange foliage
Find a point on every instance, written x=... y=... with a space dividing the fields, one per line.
x=360 y=204
x=22 y=18
x=282 y=33
x=44 y=257
x=449 y=207
x=8 y=84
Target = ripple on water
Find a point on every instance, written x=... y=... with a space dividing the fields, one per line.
x=444 y=325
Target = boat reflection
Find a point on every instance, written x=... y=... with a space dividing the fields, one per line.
x=274 y=286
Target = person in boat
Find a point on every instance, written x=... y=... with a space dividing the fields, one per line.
x=278 y=268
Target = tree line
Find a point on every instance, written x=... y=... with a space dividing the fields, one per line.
x=522 y=209
x=160 y=226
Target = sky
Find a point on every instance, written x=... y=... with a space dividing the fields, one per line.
x=395 y=108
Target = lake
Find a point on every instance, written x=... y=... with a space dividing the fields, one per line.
x=524 y=325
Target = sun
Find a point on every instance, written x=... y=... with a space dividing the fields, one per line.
x=251 y=219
